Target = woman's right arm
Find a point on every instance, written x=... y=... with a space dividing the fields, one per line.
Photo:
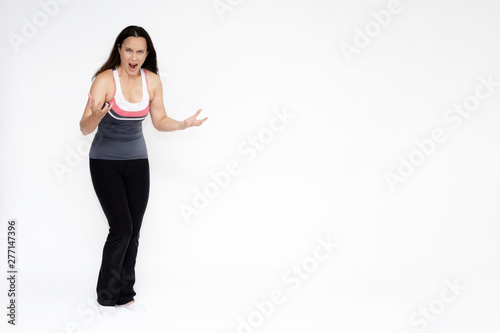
x=92 y=115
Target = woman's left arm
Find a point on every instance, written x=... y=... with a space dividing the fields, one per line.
x=161 y=121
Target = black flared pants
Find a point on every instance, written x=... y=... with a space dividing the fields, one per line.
x=122 y=187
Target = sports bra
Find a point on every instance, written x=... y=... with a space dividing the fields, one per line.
x=119 y=134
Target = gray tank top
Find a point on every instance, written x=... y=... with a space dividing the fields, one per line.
x=119 y=134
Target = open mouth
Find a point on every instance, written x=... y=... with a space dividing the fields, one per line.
x=132 y=66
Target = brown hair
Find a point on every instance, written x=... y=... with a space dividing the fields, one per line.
x=114 y=58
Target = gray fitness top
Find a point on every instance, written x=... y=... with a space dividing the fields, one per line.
x=119 y=134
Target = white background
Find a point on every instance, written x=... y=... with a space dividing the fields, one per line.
x=322 y=176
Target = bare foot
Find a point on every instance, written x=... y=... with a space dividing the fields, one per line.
x=129 y=303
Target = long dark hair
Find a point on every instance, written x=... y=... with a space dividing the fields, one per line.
x=114 y=58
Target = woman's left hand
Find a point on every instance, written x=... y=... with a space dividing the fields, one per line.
x=192 y=121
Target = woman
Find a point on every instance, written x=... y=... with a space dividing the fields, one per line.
x=129 y=85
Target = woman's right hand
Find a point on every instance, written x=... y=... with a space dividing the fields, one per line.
x=98 y=111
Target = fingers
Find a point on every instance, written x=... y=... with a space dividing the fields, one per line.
x=105 y=108
x=198 y=122
x=192 y=121
x=93 y=104
x=196 y=114
x=91 y=99
x=99 y=112
x=193 y=117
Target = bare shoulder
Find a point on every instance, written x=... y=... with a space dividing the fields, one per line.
x=153 y=78
x=154 y=83
x=104 y=77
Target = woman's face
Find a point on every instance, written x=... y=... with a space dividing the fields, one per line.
x=133 y=53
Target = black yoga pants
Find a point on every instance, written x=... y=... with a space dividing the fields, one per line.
x=122 y=187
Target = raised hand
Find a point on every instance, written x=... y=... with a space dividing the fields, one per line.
x=98 y=111
x=192 y=121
